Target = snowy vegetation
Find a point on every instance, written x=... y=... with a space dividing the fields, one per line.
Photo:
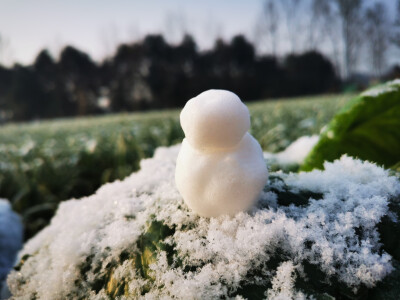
x=319 y=233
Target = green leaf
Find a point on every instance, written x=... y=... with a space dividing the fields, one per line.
x=149 y=244
x=368 y=127
x=396 y=167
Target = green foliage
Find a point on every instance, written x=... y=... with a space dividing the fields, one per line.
x=368 y=128
x=277 y=124
x=145 y=254
x=101 y=268
x=44 y=163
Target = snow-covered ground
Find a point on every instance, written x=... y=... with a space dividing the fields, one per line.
x=10 y=238
x=216 y=255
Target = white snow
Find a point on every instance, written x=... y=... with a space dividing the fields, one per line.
x=220 y=168
x=215 y=119
x=394 y=82
x=283 y=283
x=296 y=152
x=216 y=253
x=390 y=86
x=10 y=238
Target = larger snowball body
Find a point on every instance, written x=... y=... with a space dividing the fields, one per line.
x=220 y=168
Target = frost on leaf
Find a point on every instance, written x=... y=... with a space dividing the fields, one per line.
x=318 y=233
x=388 y=87
x=283 y=283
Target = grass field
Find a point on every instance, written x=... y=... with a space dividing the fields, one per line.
x=46 y=162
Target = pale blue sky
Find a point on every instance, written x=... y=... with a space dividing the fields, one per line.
x=31 y=25
x=96 y=26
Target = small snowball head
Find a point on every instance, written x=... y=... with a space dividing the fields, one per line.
x=215 y=119
x=220 y=169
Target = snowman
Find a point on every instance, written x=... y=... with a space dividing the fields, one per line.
x=220 y=169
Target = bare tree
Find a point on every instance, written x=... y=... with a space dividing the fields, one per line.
x=134 y=33
x=176 y=26
x=396 y=27
x=291 y=12
x=110 y=38
x=320 y=20
x=267 y=28
x=1 y=49
x=315 y=22
x=349 y=12
x=378 y=32
x=211 y=31
x=336 y=25
x=323 y=30
x=5 y=50
x=279 y=17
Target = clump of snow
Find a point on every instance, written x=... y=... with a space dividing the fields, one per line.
x=356 y=195
x=220 y=168
x=390 y=86
x=296 y=152
x=394 y=82
x=283 y=284
x=212 y=257
x=10 y=238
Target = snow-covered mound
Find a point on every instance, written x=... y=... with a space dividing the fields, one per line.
x=10 y=238
x=316 y=233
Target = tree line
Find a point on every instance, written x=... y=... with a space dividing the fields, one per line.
x=153 y=74
x=326 y=41
x=349 y=32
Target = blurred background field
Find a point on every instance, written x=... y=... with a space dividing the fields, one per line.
x=46 y=162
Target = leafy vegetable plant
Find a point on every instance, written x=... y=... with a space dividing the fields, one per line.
x=368 y=127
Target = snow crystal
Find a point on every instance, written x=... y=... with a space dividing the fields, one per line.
x=10 y=238
x=213 y=257
x=283 y=283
